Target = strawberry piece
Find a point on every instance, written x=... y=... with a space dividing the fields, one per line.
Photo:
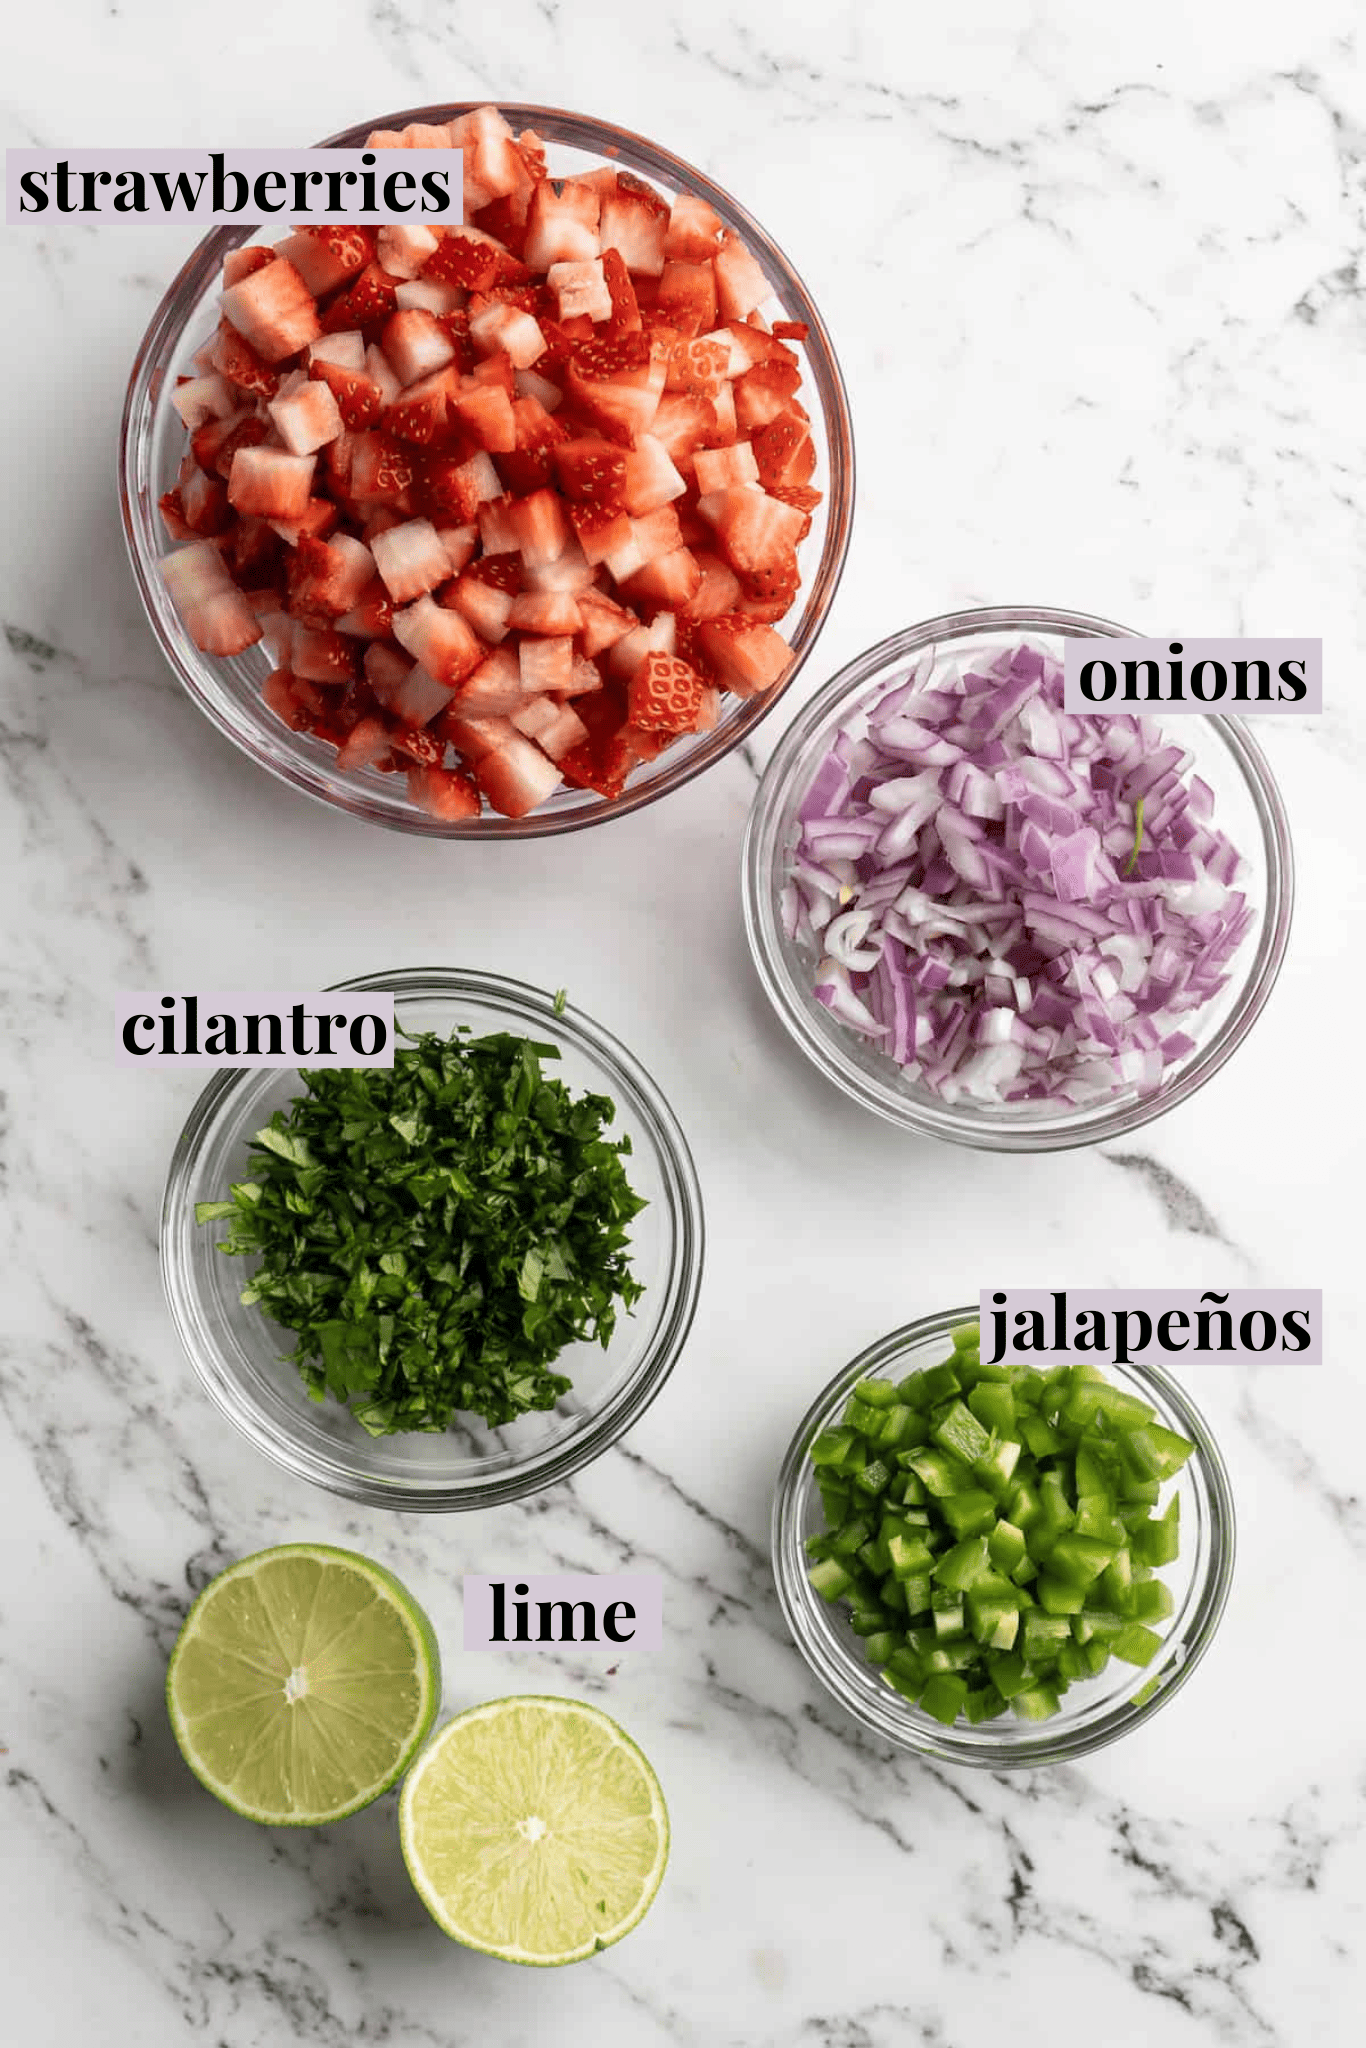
x=634 y=220
x=254 y=554
x=529 y=466
x=650 y=477
x=671 y=579
x=366 y=303
x=372 y=615
x=240 y=263
x=270 y=483
x=561 y=225
x=498 y=327
x=386 y=671
x=541 y=528
x=784 y=451
x=546 y=664
x=502 y=219
x=416 y=744
x=306 y=417
x=694 y=231
x=322 y=655
x=741 y=286
x=552 y=612
x=444 y=792
x=217 y=617
x=718 y=588
x=581 y=289
x=765 y=394
x=441 y=640
x=601 y=530
x=171 y=506
x=466 y=258
x=790 y=330
x=383 y=471
x=616 y=385
x=360 y=401
x=518 y=776
x=484 y=605
x=326 y=257
x=687 y=297
x=555 y=727
x=366 y=745
x=664 y=695
x=623 y=305
x=802 y=498
x=204 y=502
x=485 y=412
x=473 y=737
x=452 y=487
x=591 y=470
x=748 y=657
x=758 y=533
x=236 y=359
x=326 y=578
x=716 y=469
x=404 y=250
x=493 y=688
x=274 y=309
x=411 y=559
x=424 y=413
x=415 y=344
x=282 y=698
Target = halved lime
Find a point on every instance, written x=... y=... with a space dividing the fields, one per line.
x=534 y=1830
x=302 y=1684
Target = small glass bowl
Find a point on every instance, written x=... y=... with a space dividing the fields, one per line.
x=239 y=1353
x=152 y=442
x=1093 y=1711
x=1248 y=808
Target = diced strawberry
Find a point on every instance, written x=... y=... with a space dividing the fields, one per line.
x=238 y=361
x=365 y=746
x=740 y=284
x=671 y=579
x=172 y=509
x=239 y=263
x=322 y=655
x=470 y=259
x=664 y=695
x=383 y=471
x=305 y=416
x=274 y=309
x=444 y=792
x=546 y=664
x=569 y=573
x=254 y=554
x=372 y=615
x=718 y=588
x=494 y=326
x=591 y=469
x=659 y=637
x=529 y=466
x=497 y=530
x=540 y=526
x=494 y=687
x=600 y=531
x=410 y=560
x=461 y=544
x=556 y=728
x=404 y=250
x=326 y=578
x=687 y=297
x=758 y=534
x=270 y=483
x=616 y=384
x=283 y=699
x=695 y=230
x=359 y=399
x=635 y=221
x=441 y=640
x=651 y=479
x=748 y=657
x=561 y=226
x=545 y=611
x=493 y=166
x=381 y=373
x=204 y=502
x=502 y=219
x=681 y=426
x=767 y=393
x=430 y=295
x=784 y=453
x=386 y=670
x=474 y=737
x=217 y=617
x=495 y=369
x=419 y=698
x=718 y=468
x=415 y=344
x=581 y=288
x=368 y=302
x=346 y=349
x=485 y=411
x=604 y=622
x=791 y=330
x=458 y=488
x=318 y=518
x=204 y=398
x=423 y=412
x=484 y=605
x=518 y=776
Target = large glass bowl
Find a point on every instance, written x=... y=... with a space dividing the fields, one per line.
x=240 y=1354
x=1248 y=808
x=1094 y=1711
x=152 y=443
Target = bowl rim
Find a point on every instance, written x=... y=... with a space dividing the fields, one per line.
x=195 y=279
x=895 y=1719
x=761 y=852
x=681 y=1205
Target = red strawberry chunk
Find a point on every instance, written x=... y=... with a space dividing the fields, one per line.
x=360 y=401
x=365 y=746
x=404 y=250
x=495 y=326
x=217 y=616
x=274 y=309
x=383 y=471
x=236 y=359
x=469 y=259
x=748 y=657
x=518 y=776
x=493 y=689
x=687 y=297
x=270 y=483
x=484 y=605
x=591 y=469
x=485 y=412
x=624 y=306
x=326 y=577
x=580 y=290
x=741 y=286
x=671 y=579
x=450 y=485
x=561 y=226
x=545 y=664
x=322 y=655
x=372 y=615
x=410 y=559
x=444 y=792
x=306 y=417
x=556 y=728
x=239 y=263
x=695 y=230
x=650 y=477
x=635 y=222
x=366 y=303
x=784 y=453
x=664 y=695
x=441 y=640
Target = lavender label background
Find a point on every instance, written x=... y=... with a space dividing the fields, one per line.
x=1076 y=654
x=644 y=1591
x=238 y=1004
x=1156 y=1302
x=250 y=163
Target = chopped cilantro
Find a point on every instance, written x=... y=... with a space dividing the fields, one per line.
x=436 y=1233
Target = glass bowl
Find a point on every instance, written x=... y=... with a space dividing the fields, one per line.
x=1248 y=808
x=152 y=442
x=1094 y=1711
x=239 y=1353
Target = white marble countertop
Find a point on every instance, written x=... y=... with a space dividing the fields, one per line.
x=1095 y=278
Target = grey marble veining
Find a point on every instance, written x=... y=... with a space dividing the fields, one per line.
x=1096 y=283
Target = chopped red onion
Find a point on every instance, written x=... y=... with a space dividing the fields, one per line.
x=970 y=875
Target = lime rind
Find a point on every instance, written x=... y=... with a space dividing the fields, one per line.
x=432 y=1897
x=426 y=1670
